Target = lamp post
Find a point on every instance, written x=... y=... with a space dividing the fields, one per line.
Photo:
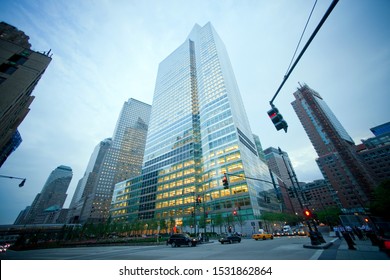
x=21 y=184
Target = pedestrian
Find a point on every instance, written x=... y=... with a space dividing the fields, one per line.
x=358 y=232
x=200 y=238
x=337 y=232
x=341 y=229
x=349 y=240
x=349 y=231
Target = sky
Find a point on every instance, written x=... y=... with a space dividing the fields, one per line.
x=105 y=52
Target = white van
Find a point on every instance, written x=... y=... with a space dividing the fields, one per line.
x=286 y=228
x=287 y=231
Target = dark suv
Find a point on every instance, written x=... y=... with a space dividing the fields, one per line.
x=229 y=238
x=176 y=240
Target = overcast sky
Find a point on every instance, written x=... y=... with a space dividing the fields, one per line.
x=105 y=52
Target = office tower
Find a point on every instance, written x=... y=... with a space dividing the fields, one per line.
x=381 y=129
x=337 y=158
x=375 y=153
x=113 y=161
x=20 y=70
x=87 y=185
x=198 y=131
x=319 y=194
x=48 y=203
x=22 y=216
x=279 y=163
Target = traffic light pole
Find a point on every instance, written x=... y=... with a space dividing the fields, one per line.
x=331 y=7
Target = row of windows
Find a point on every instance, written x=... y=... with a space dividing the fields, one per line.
x=221 y=132
x=218 y=118
x=234 y=168
x=177 y=183
x=179 y=174
x=221 y=151
x=182 y=149
x=12 y=64
x=223 y=140
x=182 y=125
x=177 y=166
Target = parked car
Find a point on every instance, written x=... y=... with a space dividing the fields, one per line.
x=262 y=236
x=176 y=240
x=229 y=238
x=289 y=233
x=3 y=249
x=302 y=232
x=278 y=233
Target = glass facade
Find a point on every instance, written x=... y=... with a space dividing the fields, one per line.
x=122 y=160
x=198 y=131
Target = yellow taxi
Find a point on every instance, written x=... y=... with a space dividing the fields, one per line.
x=262 y=235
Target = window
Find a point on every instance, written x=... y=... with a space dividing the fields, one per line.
x=7 y=68
x=18 y=59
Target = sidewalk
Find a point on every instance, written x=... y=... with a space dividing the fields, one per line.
x=337 y=249
x=364 y=251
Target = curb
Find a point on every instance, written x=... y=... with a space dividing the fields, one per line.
x=321 y=246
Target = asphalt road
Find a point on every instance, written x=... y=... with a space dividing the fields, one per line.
x=283 y=248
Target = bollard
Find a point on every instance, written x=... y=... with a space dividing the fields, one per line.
x=320 y=237
x=314 y=238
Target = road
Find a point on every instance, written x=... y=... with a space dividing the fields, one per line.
x=283 y=248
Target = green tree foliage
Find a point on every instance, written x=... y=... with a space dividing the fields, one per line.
x=380 y=204
x=329 y=216
x=280 y=217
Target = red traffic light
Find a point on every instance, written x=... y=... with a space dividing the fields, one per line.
x=307 y=213
x=235 y=213
x=273 y=112
x=225 y=182
x=277 y=119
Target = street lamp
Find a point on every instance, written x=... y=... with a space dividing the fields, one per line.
x=21 y=184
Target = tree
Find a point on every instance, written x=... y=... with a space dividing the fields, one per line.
x=279 y=217
x=329 y=215
x=380 y=204
x=163 y=226
x=218 y=221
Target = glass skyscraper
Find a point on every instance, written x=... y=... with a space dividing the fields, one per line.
x=198 y=131
x=113 y=161
x=50 y=200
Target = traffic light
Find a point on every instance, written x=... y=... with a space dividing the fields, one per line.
x=225 y=181
x=277 y=119
x=234 y=212
x=307 y=213
x=198 y=200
